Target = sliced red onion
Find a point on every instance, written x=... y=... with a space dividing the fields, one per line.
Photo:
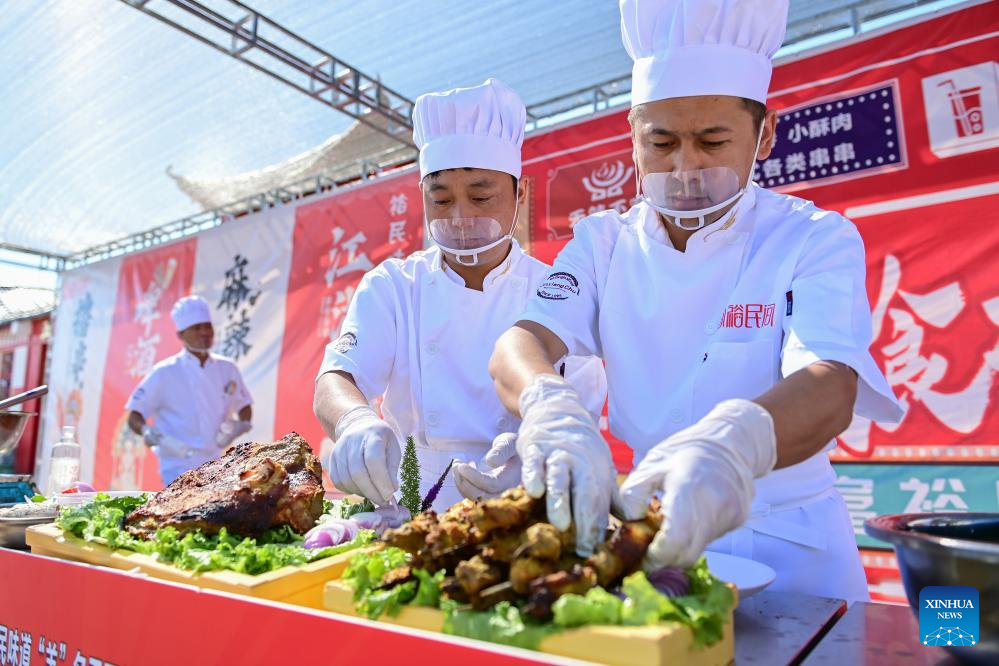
x=332 y=533
x=670 y=581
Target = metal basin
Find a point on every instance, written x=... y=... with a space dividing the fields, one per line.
x=949 y=549
x=12 y=530
x=11 y=426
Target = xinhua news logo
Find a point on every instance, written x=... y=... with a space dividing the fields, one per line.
x=948 y=615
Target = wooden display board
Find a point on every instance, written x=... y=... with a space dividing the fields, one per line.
x=301 y=585
x=625 y=646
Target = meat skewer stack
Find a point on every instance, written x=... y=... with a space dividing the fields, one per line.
x=502 y=550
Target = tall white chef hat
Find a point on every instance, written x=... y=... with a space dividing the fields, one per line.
x=480 y=127
x=189 y=311
x=684 y=48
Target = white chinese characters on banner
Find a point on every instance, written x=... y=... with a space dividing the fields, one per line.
x=142 y=354
x=859 y=497
x=914 y=373
x=937 y=495
x=345 y=258
x=398 y=206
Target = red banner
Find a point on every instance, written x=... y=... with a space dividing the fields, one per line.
x=142 y=333
x=336 y=240
x=899 y=132
x=57 y=612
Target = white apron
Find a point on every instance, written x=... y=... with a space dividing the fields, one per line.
x=461 y=413
x=670 y=360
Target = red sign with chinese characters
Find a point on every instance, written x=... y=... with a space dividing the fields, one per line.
x=142 y=333
x=335 y=242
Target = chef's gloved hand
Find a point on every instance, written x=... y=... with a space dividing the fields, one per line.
x=230 y=430
x=151 y=435
x=498 y=470
x=366 y=455
x=706 y=474
x=565 y=458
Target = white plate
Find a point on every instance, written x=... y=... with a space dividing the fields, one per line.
x=747 y=575
x=74 y=499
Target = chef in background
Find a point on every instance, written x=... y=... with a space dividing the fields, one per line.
x=194 y=404
x=419 y=331
x=733 y=320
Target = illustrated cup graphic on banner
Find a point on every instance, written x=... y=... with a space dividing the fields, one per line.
x=962 y=109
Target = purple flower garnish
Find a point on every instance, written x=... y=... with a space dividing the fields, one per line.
x=432 y=493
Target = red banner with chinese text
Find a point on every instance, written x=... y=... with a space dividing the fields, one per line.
x=142 y=333
x=335 y=241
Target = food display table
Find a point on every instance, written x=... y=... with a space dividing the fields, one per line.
x=78 y=611
x=877 y=634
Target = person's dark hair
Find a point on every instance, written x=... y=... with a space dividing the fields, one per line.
x=434 y=174
x=757 y=110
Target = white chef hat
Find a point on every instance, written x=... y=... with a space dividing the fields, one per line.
x=189 y=311
x=480 y=127
x=684 y=48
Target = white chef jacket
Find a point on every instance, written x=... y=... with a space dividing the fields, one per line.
x=416 y=335
x=755 y=297
x=188 y=401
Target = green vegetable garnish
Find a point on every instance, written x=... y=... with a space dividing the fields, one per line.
x=101 y=521
x=37 y=498
x=410 y=475
x=503 y=623
x=366 y=572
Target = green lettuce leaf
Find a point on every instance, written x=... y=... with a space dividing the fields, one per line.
x=101 y=521
x=597 y=606
x=503 y=623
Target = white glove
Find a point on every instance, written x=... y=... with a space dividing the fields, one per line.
x=498 y=470
x=366 y=455
x=151 y=436
x=562 y=450
x=165 y=445
x=230 y=430
x=706 y=475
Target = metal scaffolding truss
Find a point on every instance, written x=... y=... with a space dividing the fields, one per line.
x=244 y=33
x=371 y=167
x=842 y=18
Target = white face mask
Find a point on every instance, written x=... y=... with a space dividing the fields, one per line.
x=468 y=237
x=694 y=195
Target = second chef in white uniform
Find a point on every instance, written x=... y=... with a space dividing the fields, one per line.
x=419 y=331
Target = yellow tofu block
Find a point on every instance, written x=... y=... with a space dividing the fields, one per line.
x=301 y=585
x=662 y=645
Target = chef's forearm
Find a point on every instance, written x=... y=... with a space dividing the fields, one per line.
x=521 y=354
x=809 y=408
x=336 y=394
x=136 y=422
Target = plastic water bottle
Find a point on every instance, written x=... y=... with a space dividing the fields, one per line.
x=64 y=465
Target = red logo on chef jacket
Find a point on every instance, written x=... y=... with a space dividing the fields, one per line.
x=579 y=189
x=749 y=315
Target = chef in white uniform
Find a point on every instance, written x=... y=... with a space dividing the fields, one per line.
x=192 y=405
x=733 y=320
x=419 y=331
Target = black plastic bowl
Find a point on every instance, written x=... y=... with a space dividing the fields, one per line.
x=949 y=549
